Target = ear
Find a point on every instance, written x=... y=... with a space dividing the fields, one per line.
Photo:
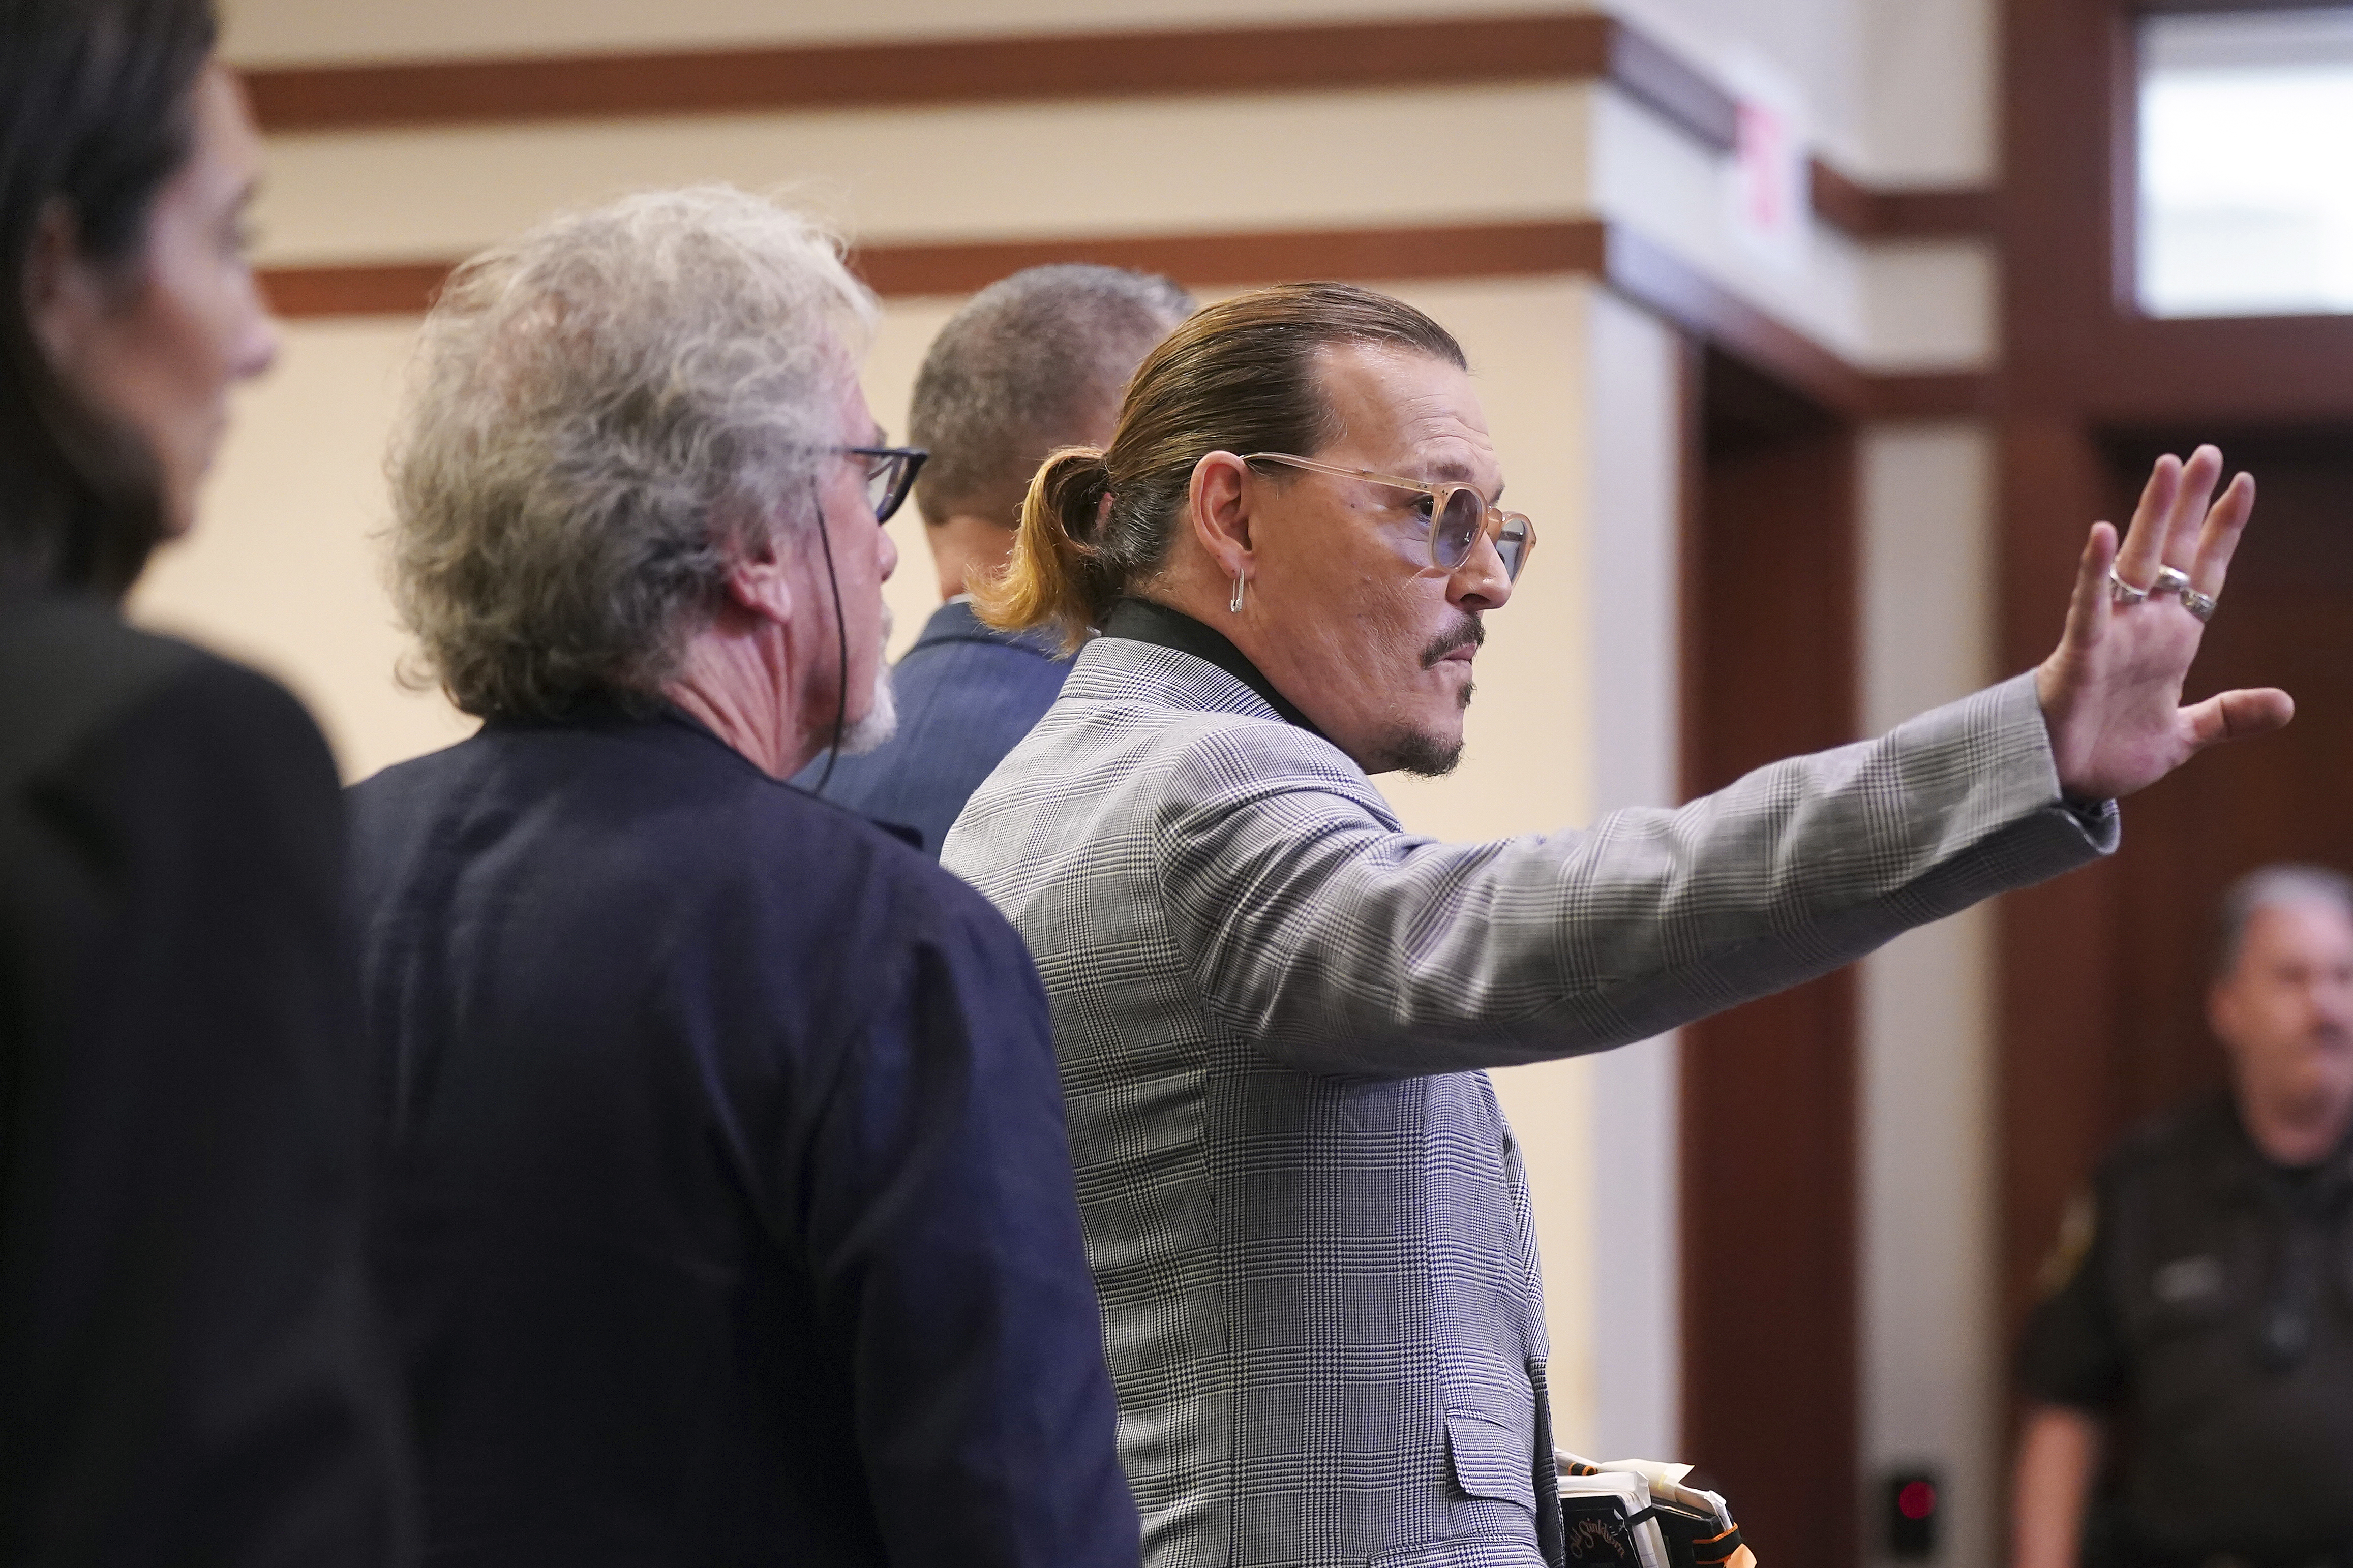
x=1219 y=498
x=64 y=297
x=759 y=584
x=2221 y=1010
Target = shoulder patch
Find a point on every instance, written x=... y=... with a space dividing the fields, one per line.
x=2074 y=1243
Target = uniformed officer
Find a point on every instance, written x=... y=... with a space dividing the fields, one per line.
x=2200 y=1335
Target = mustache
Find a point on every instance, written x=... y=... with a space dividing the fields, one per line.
x=1468 y=632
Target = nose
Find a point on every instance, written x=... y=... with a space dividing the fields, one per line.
x=1480 y=583
x=258 y=338
x=889 y=553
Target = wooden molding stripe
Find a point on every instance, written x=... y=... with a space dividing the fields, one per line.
x=1643 y=271
x=1655 y=277
x=391 y=289
x=1934 y=395
x=1954 y=211
x=1573 y=246
x=900 y=271
x=1159 y=62
x=1455 y=52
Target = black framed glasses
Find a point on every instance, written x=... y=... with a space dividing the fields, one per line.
x=890 y=474
x=1458 y=515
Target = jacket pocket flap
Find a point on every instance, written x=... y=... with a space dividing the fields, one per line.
x=1490 y=1460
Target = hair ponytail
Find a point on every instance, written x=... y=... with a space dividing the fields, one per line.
x=1242 y=376
x=1056 y=576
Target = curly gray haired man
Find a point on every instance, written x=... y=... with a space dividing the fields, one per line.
x=730 y=1217
x=613 y=456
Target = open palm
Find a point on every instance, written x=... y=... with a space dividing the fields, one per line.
x=2110 y=691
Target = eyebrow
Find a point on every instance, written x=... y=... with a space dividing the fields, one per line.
x=1456 y=469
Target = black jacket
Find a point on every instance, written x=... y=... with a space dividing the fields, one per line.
x=189 y=1367
x=733 y=1218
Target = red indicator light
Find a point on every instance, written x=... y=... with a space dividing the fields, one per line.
x=1916 y=1500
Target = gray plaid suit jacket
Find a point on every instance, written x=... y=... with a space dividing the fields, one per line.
x=1304 y=1211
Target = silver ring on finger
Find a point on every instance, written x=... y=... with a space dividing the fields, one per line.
x=2124 y=592
x=2199 y=604
x=2170 y=580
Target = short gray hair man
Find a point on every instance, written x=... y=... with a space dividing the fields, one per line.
x=2267 y=887
x=1031 y=364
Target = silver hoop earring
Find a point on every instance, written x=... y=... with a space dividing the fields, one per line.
x=1235 y=603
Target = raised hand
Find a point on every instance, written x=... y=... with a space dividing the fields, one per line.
x=2110 y=691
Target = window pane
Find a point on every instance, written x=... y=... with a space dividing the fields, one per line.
x=2246 y=163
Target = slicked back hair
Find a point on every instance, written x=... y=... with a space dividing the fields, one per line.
x=1242 y=376
x=1025 y=368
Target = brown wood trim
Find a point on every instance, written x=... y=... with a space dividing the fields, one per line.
x=1574 y=246
x=1934 y=395
x=1656 y=277
x=1457 y=250
x=1770 y=654
x=1452 y=52
x=1645 y=273
x=1449 y=53
x=1956 y=212
x=388 y=288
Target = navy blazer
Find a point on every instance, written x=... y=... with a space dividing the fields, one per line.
x=731 y=1217
x=967 y=694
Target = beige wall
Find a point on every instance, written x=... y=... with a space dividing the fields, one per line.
x=1932 y=1360
x=957 y=172
x=283 y=570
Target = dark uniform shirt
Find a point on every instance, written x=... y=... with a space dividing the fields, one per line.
x=2209 y=1308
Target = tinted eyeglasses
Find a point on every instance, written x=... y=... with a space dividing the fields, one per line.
x=890 y=475
x=1459 y=516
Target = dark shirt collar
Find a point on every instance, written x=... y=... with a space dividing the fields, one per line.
x=2323 y=1185
x=1141 y=620
x=602 y=710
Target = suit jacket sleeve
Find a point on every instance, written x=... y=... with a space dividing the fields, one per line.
x=945 y=1241
x=189 y=1365
x=1341 y=944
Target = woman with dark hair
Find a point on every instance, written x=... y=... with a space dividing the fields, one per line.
x=189 y=1370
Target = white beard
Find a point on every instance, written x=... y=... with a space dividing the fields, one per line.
x=881 y=721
